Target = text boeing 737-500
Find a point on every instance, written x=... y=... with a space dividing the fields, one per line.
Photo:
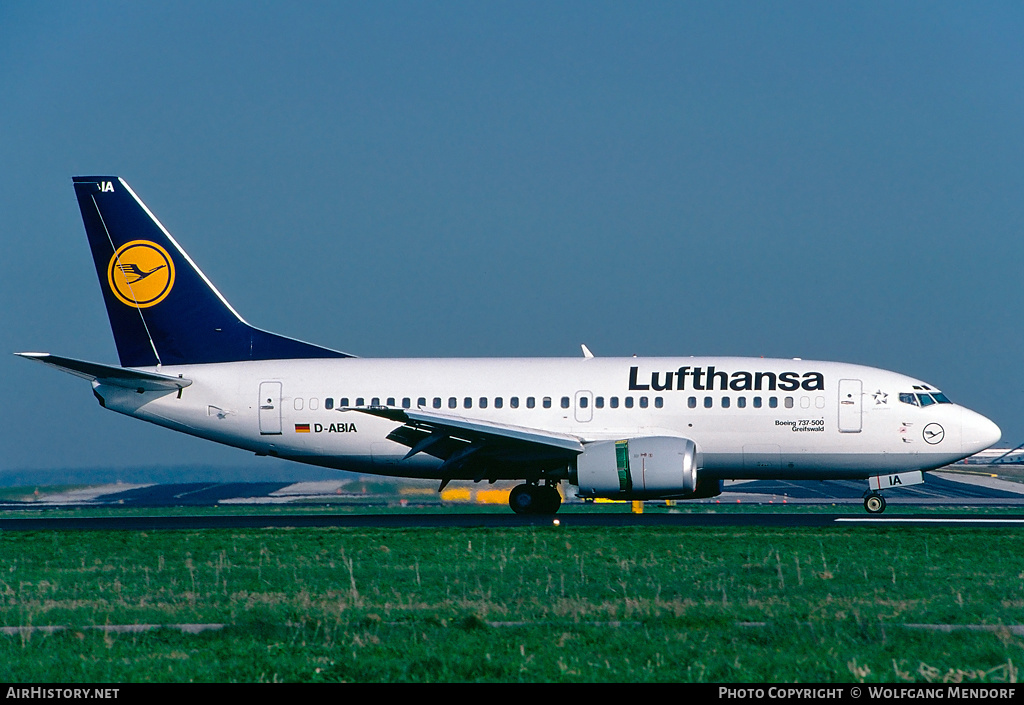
x=622 y=428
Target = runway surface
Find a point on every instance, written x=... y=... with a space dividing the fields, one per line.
x=496 y=520
x=967 y=491
x=938 y=488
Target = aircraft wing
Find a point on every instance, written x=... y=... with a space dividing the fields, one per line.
x=473 y=447
x=108 y=374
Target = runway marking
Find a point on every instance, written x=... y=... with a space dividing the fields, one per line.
x=951 y=520
x=113 y=628
x=1015 y=629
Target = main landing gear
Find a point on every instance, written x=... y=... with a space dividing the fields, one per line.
x=535 y=499
x=874 y=503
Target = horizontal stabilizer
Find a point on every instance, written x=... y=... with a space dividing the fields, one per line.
x=110 y=375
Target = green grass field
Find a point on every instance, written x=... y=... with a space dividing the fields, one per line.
x=518 y=604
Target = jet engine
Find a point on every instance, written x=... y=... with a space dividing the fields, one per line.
x=643 y=468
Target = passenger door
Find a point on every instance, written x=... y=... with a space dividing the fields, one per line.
x=850 y=393
x=270 y=408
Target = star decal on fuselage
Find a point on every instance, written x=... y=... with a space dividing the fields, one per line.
x=881 y=397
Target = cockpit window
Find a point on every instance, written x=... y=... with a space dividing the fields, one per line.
x=921 y=399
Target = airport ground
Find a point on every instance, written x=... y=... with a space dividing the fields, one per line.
x=569 y=603
x=474 y=593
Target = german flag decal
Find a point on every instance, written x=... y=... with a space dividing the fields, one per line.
x=302 y=428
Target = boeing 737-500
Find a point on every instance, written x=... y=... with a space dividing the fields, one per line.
x=620 y=428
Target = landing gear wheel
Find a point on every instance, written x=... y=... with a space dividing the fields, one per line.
x=550 y=499
x=523 y=499
x=874 y=504
x=534 y=499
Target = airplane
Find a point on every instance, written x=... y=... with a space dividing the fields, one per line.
x=633 y=428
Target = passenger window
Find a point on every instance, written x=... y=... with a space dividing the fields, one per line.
x=483 y=402
x=614 y=402
x=741 y=402
x=584 y=402
x=773 y=402
x=298 y=403
x=514 y=402
x=421 y=402
x=599 y=402
x=360 y=401
x=437 y=402
x=565 y=402
x=391 y=401
x=406 y=403
x=629 y=402
x=643 y=402
x=530 y=402
x=725 y=402
x=468 y=402
x=343 y=403
x=373 y=402
x=789 y=402
x=498 y=402
x=708 y=401
x=757 y=402
x=547 y=402
x=328 y=403
x=659 y=402
x=453 y=403
x=692 y=402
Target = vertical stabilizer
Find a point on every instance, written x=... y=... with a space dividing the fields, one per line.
x=162 y=308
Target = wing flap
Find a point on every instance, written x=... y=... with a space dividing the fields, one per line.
x=475 y=447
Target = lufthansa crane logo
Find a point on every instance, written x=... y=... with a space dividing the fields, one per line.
x=141 y=274
x=933 y=433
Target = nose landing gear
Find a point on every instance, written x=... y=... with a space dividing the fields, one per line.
x=874 y=503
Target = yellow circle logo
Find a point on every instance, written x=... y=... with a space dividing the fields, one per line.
x=141 y=273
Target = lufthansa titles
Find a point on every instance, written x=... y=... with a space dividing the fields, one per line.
x=709 y=378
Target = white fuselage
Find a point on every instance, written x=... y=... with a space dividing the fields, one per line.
x=749 y=417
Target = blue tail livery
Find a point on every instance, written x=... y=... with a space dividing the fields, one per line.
x=162 y=308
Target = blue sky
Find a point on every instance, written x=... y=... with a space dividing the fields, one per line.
x=819 y=180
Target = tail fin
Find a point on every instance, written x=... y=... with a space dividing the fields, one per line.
x=162 y=309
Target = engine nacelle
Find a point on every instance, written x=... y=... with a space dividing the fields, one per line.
x=642 y=468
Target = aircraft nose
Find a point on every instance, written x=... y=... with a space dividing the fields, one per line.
x=978 y=432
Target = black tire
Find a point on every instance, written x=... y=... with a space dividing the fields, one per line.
x=535 y=499
x=874 y=504
x=551 y=500
x=523 y=499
